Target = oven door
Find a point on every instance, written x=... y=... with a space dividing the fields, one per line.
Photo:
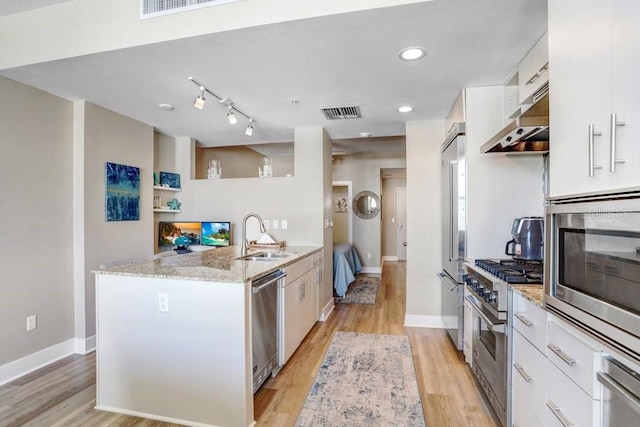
x=592 y=267
x=490 y=356
x=621 y=397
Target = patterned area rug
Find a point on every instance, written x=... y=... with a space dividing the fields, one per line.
x=364 y=380
x=363 y=290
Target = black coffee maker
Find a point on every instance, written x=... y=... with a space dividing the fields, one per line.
x=528 y=238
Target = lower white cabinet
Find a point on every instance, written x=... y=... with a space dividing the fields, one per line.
x=529 y=377
x=467 y=332
x=566 y=403
x=299 y=306
x=522 y=416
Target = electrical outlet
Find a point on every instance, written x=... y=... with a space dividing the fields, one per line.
x=163 y=303
x=274 y=224
x=32 y=322
x=369 y=255
x=266 y=223
x=284 y=224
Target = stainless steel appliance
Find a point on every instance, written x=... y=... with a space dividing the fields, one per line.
x=592 y=267
x=264 y=327
x=453 y=232
x=527 y=239
x=621 y=397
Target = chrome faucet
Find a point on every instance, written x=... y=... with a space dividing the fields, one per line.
x=243 y=248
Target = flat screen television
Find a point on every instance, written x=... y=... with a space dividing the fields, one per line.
x=178 y=234
x=215 y=233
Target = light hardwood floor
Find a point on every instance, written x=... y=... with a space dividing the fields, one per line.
x=63 y=394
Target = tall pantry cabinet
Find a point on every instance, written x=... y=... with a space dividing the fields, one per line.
x=594 y=52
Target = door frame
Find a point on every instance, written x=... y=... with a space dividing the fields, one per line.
x=349 y=186
x=398 y=237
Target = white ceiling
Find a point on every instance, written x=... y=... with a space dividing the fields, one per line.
x=10 y=7
x=336 y=60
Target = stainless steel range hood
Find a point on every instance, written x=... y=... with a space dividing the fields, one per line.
x=528 y=134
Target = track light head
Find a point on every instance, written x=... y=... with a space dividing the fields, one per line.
x=200 y=100
x=249 y=130
x=231 y=116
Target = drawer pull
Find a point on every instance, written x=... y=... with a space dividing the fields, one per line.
x=523 y=319
x=522 y=372
x=532 y=79
x=558 y=413
x=562 y=355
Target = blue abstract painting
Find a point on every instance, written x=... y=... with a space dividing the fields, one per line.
x=122 y=192
x=168 y=179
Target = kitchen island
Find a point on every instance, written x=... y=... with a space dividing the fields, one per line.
x=174 y=336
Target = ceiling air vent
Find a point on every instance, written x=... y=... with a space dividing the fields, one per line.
x=340 y=113
x=151 y=8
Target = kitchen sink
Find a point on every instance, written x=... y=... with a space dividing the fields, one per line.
x=265 y=256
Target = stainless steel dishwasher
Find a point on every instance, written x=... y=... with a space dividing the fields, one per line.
x=264 y=326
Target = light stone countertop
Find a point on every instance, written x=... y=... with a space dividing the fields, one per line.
x=534 y=293
x=214 y=265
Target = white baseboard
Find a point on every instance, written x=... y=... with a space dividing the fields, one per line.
x=327 y=310
x=150 y=416
x=389 y=258
x=421 y=321
x=30 y=363
x=85 y=345
x=371 y=270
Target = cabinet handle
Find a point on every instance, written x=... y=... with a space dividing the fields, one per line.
x=523 y=319
x=544 y=68
x=592 y=135
x=558 y=413
x=304 y=290
x=522 y=372
x=532 y=79
x=562 y=355
x=614 y=126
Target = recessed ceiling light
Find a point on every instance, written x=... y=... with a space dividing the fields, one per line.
x=167 y=107
x=405 y=109
x=412 y=53
x=365 y=134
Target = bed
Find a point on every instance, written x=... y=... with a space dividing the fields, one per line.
x=346 y=265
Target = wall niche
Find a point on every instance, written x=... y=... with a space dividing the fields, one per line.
x=246 y=161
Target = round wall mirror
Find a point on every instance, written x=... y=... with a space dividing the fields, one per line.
x=366 y=204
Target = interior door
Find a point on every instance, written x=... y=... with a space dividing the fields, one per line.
x=402 y=223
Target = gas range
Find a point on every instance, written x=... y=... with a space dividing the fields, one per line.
x=488 y=279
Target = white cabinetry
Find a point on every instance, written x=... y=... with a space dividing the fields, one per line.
x=529 y=376
x=467 y=335
x=533 y=72
x=299 y=310
x=595 y=52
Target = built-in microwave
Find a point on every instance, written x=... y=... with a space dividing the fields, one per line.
x=592 y=264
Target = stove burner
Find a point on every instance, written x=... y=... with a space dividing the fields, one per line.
x=513 y=271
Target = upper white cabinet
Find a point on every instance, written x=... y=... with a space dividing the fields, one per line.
x=594 y=108
x=533 y=72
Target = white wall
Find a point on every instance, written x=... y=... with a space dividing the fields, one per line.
x=363 y=170
x=37 y=219
x=423 y=219
x=111 y=137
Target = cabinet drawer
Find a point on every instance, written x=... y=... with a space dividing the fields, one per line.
x=297 y=269
x=575 y=354
x=568 y=402
x=529 y=374
x=522 y=415
x=531 y=321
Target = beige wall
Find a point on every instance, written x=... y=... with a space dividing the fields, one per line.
x=364 y=172
x=423 y=219
x=341 y=219
x=239 y=162
x=37 y=220
x=111 y=137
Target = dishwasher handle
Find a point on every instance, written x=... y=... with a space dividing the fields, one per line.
x=271 y=279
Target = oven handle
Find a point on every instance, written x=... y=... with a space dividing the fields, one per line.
x=612 y=385
x=495 y=327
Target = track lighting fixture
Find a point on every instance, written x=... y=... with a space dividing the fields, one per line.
x=231 y=116
x=232 y=109
x=200 y=100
